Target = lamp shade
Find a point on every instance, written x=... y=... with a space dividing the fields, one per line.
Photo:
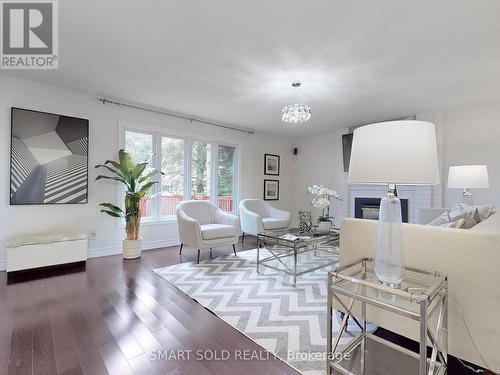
x=468 y=177
x=395 y=152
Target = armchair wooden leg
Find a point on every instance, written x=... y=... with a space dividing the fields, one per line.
x=234 y=249
x=198 y=260
x=180 y=249
x=210 y=252
x=242 y=237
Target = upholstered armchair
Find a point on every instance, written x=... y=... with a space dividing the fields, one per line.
x=203 y=225
x=257 y=215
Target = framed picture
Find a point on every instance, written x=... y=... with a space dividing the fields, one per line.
x=48 y=158
x=271 y=190
x=272 y=164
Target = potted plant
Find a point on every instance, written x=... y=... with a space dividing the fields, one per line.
x=137 y=181
x=322 y=199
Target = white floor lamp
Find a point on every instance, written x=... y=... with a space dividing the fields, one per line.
x=393 y=153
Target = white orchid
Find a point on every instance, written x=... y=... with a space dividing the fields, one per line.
x=320 y=203
x=324 y=195
x=321 y=190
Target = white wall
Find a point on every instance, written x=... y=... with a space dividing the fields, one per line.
x=472 y=136
x=469 y=136
x=104 y=121
x=465 y=136
x=320 y=162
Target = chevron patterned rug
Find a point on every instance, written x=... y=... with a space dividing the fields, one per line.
x=289 y=322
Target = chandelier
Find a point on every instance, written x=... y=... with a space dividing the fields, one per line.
x=295 y=113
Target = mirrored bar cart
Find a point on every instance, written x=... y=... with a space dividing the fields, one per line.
x=421 y=299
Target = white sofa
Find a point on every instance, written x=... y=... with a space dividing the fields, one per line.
x=257 y=215
x=470 y=257
x=203 y=225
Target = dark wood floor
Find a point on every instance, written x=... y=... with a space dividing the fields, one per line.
x=112 y=317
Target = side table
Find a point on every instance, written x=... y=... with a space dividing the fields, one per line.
x=423 y=294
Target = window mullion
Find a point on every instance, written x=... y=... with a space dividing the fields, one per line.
x=236 y=179
x=157 y=165
x=188 y=153
x=215 y=177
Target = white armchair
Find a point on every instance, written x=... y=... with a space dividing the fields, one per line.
x=257 y=215
x=203 y=225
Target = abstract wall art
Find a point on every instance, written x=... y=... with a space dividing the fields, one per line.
x=49 y=158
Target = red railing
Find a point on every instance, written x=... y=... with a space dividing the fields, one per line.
x=169 y=203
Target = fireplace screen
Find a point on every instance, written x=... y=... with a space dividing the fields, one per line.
x=368 y=208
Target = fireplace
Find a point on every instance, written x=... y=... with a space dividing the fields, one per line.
x=368 y=208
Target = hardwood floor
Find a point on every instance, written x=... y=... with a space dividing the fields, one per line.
x=113 y=318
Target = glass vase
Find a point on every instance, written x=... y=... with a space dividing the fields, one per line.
x=389 y=256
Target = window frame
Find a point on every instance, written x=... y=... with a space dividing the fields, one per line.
x=188 y=141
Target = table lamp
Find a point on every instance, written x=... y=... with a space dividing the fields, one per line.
x=468 y=177
x=393 y=153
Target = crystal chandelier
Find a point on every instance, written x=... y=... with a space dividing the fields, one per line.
x=295 y=113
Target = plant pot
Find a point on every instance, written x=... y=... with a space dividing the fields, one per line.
x=132 y=248
x=324 y=227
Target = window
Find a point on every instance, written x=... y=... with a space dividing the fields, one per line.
x=201 y=174
x=225 y=177
x=193 y=169
x=172 y=182
x=140 y=147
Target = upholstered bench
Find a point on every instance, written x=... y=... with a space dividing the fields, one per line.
x=28 y=252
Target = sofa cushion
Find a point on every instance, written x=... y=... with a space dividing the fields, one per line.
x=479 y=213
x=457 y=224
x=441 y=220
x=469 y=220
x=214 y=231
x=271 y=223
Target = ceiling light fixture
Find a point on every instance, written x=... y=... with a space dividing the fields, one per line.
x=296 y=113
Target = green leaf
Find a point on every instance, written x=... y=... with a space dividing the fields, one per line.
x=118 y=166
x=111 y=207
x=101 y=177
x=126 y=160
x=148 y=176
x=138 y=170
x=118 y=173
x=146 y=187
x=111 y=213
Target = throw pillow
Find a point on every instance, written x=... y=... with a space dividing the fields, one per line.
x=457 y=224
x=483 y=212
x=442 y=219
x=469 y=221
x=457 y=211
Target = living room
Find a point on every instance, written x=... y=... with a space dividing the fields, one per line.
x=252 y=122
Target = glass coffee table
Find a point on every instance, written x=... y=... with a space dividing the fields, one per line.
x=297 y=253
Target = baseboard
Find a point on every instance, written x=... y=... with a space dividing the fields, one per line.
x=115 y=250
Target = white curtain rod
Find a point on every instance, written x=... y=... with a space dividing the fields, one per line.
x=176 y=115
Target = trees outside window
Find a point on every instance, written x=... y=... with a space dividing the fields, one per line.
x=193 y=169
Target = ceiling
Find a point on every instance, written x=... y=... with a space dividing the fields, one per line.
x=233 y=61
